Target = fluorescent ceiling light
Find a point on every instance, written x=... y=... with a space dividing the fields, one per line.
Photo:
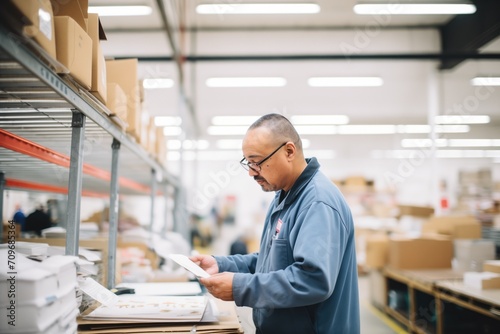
x=174 y=144
x=452 y=128
x=474 y=142
x=155 y=83
x=345 y=82
x=172 y=131
x=396 y=8
x=316 y=129
x=246 y=82
x=234 y=120
x=229 y=144
x=426 y=142
x=227 y=130
x=462 y=119
x=420 y=143
x=121 y=10
x=168 y=121
x=206 y=156
x=408 y=154
x=486 y=81
x=258 y=8
x=321 y=154
x=319 y=119
x=467 y=154
x=366 y=129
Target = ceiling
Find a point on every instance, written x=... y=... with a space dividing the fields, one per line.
x=401 y=49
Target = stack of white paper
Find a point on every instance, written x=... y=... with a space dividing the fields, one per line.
x=29 y=248
x=39 y=296
x=152 y=309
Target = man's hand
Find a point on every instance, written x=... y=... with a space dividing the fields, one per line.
x=206 y=262
x=220 y=285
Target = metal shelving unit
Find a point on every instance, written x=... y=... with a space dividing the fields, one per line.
x=55 y=135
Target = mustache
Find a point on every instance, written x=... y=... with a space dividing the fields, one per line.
x=258 y=178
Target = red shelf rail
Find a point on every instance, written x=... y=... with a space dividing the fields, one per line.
x=21 y=145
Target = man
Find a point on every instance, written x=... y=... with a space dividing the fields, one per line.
x=19 y=218
x=38 y=220
x=304 y=279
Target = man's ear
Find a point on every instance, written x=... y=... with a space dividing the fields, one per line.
x=290 y=150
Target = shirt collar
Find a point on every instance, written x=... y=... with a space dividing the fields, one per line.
x=304 y=178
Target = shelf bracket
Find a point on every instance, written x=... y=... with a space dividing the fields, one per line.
x=113 y=213
x=75 y=183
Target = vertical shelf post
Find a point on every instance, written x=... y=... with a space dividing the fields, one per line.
x=153 y=196
x=113 y=214
x=2 y=190
x=165 y=214
x=75 y=183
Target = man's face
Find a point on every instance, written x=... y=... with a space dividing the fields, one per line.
x=263 y=159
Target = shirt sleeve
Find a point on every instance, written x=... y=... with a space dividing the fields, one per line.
x=237 y=263
x=318 y=241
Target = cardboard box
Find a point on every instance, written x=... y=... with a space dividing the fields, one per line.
x=152 y=136
x=161 y=146
x=377 y=250
x=76 y=9
x=124 y=73
x=116 y=101
x=492 y=266
x=41 y=23
x=457 y=227
x=415 y=211
x=96 y=33
x=74 y=49
x=144 y=132
x=420 y=253
x=482 y=280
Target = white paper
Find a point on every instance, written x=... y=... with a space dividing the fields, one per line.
x=164 y=288
x=97 y=291
x=184 y=261
x=165 y=308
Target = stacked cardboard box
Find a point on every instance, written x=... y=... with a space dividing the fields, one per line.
x=456 y=227
x=123 y=73
x=420 y=253
x=39 y=23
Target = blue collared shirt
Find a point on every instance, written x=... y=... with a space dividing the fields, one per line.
x=304 y=279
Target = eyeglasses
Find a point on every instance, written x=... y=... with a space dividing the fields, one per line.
x=255 y=166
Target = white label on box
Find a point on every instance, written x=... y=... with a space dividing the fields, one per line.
x=98 y=292
x=45 y=23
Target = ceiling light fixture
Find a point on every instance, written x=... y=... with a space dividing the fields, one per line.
x=227 y=130
x=415 y=8
x=316 y=129
x=156 y=83
x=345 y=82
x=258 y=8
x=378 y=129
x=486 y=81
x=168 y=121
x=246 y=82
x=319 y=119
x=462 y=119
x=172 y=131
x=441 y=142
x=121 y=10
x=234 y=120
